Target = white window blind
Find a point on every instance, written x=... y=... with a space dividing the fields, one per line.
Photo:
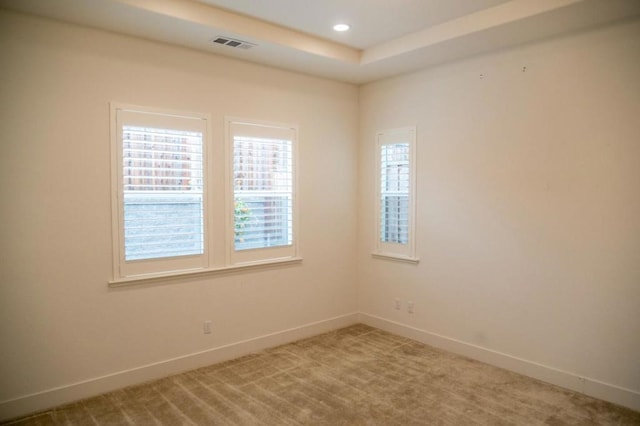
x=162 y=188
x=159 y=196
x=263 y=192
x=262 y=188
x=396 y=193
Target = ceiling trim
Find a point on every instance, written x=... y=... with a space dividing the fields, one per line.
x=256 y=29
x=493 y=17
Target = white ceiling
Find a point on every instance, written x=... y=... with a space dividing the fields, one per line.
x=387 y=37
x=372 y=21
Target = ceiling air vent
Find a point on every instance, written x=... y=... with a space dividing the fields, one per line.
x=232 y=42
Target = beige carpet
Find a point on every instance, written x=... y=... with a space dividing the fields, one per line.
x=354 y=376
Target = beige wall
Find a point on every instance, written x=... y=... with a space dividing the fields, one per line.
x=528 y=207
x=528 y=198
x=59 y=321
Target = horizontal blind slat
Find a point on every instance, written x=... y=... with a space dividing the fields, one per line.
x=394 y=192
x=163 y=192
x=263 y=192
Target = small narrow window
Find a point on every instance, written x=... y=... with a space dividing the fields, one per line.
x=159 y=191
x=396 y=189
x=262 y=190
x=394 y=193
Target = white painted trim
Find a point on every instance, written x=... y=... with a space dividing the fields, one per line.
x=390 y=137
x=588 y=386
x=285 y=130
x=171 y=275
x=396 y=257
x=169 y=117
x=75 y=391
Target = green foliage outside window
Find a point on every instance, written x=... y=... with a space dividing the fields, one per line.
x=242 y=216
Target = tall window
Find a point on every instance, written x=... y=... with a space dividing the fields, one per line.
x=263 y=190
x=394 y=193
x=160 y=195
x=396 y=189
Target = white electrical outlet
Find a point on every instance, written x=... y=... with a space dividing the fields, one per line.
x=397 y=305
x=206 y=327
x=410 y=307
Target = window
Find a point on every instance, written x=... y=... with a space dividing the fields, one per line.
x=172 y=203
x=262 y=217
x=159 y=191
x=396 y=189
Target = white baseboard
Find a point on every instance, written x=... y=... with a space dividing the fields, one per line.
x=64 y=394
x=591 y=387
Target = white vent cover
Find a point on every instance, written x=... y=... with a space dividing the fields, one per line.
x=232 y=42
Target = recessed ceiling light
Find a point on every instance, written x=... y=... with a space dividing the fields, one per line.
x=341 y=27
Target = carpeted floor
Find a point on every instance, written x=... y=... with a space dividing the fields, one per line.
x=354 y=376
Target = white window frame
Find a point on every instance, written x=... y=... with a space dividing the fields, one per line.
x=121 y=115
x=387 y=250
x=262 y=129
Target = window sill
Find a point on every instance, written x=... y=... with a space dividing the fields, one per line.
x=396 y=257
x=171 y=275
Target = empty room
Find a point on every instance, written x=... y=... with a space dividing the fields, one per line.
x=337 y=212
